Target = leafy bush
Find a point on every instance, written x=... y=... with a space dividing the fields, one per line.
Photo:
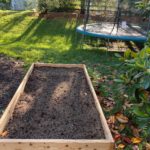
x=5 y=4
x=147 y=44
x=30 y=4
x=5 y=1
x=135 y=80
x=144 y=6
x=55 y=5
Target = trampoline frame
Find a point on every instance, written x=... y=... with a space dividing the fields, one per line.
x=80 y=29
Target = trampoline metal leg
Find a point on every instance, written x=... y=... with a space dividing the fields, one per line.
x=82 y=40
x=107 y=45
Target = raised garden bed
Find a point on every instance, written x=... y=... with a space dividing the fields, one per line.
x=55 y=15
x=55 y=107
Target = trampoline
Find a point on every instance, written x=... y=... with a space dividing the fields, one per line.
x=115 y=20
x=109 y=31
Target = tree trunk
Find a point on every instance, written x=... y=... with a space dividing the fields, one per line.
x=82 y=8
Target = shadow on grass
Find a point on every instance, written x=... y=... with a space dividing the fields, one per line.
x=9 y=13
x=50 y=29
x=39 y=29
x=25 y=34
x=72 y=56
x=55 y=41
x=31 y=26
x=134 y=46
x=19 y=17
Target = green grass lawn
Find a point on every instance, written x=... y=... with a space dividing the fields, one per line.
x=31 y=39
x=55 y=41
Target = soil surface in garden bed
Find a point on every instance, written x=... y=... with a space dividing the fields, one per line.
x=56 y=104
x=11 y=74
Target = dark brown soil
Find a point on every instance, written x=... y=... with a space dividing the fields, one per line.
x=56 y=104
x=11 y=73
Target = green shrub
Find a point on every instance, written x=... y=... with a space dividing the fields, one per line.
x=5 y=4
x=5 y=1
x=135 y=80
x=144 y=6
x=147 y=44
x=55 y=5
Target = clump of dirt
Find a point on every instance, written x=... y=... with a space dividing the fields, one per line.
x=56 y=104
x=11 y=73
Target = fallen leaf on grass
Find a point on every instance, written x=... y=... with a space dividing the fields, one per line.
x=121 y=146
x=111 y=120
x=121 y=118
x=109 y=104
x=101 y=80
x=97 y=92
x=147 y=146
x=135 y=147
x=127 y=105
x=117 y=137
x=136 y=140
x=125 y=95
x=114 y=131
x=110 y=98
x=127 y=140
x=135 y=131
x=105 y=77
x=122 y=127
x=4 y=134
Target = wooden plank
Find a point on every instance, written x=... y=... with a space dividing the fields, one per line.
x=59 y=65
x=10 y=108
x=55 y=145
x=102 y=117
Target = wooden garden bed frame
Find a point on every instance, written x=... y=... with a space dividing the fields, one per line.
x=54 y=144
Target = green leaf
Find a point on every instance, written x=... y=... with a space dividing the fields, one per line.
x=137 y=111
x=118 y=55
x=118 y=80
x=138 y=75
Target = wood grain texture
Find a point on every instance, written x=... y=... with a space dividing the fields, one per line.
x=59 y=65
x=56 y=145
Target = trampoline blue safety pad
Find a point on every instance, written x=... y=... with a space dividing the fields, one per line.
x=109 y=31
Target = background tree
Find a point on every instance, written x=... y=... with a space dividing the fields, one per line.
x=144 y=6
x=82 y=6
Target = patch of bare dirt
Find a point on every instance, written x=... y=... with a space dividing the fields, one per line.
x=11 y=74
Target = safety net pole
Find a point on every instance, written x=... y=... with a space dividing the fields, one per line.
x=87 y=13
